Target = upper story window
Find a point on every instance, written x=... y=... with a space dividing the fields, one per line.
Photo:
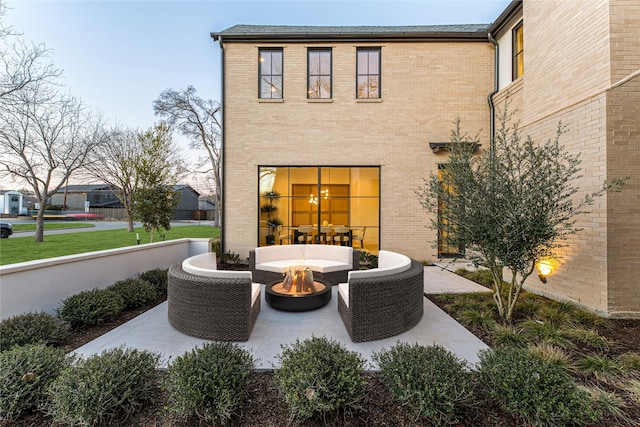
x=368 y=73
x=518 y=51
x=270 y=73
x=319 y=73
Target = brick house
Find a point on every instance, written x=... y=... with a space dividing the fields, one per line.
x=341 y=124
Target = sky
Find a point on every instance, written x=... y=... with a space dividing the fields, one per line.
x=118 y=56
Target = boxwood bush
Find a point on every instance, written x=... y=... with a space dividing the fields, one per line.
x=105 y=389
x=26 y=373
x=135 y=292
x=319 y=375
x=431 y=380
x=89 y=308
x=158 y=278
x=209 y=382
x=539 y=392
x=32 y=328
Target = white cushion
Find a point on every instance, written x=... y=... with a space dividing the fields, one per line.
x=343 y=254
x=388 y=263
x=277 y=266
x=201 y=264
x=255 y=293
x=343 y=291
x=278 y=253
x=326 y=266
x=388 y=259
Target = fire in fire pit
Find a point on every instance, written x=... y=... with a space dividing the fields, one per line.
x=299 y=280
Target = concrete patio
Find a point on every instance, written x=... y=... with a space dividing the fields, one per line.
x=151 y=330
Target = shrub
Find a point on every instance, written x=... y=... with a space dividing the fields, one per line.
x=158 y=278
x=509 y=335
x=432 y=380
x=104 y=389
x=232 y=258
x=602 y=368
x=209 y=382
x=540 y=392
x=368 y=260
x=32 y=328
x=319 y=375
x=25 y=375
x=91 y=307
x=135 y=292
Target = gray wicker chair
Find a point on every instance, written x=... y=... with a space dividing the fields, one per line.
x=211 y=308
x=384 y=306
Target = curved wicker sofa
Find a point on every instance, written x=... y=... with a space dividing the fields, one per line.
x=329 y=263
x=383 y=302
x=208 y=303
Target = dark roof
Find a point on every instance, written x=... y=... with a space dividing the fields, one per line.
x=184 y=187
x=84 y=188
x=305 y=32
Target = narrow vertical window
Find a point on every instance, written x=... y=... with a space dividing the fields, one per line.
x=270 y=73
x=518 y=51
x=368 y=73
x=319 y=73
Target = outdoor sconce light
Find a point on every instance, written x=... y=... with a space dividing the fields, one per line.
x=544 y=269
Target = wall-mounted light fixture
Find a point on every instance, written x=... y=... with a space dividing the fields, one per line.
x=544 y=269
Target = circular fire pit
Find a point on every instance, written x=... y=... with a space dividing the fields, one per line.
x=277 y=296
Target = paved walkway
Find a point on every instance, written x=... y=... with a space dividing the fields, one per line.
x=274 y=328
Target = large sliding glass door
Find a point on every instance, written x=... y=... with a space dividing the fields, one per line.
x=340 y=205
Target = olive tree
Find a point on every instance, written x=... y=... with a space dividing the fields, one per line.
x=509 y=208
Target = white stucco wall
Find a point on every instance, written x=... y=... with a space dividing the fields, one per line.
x=41 y=285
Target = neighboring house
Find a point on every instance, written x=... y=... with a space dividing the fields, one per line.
x=207 y=210
x=11 y=203
x=103 y=196
x=74 y=197
x=187 y=206
x=343 y=123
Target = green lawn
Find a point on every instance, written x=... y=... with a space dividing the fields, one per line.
x=50 y=226
x=20 y=249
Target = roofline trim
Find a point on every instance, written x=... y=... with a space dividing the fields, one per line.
x=319 y=37
x=513 y=9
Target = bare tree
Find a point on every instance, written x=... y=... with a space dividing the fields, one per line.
x=44 y=138
x=115 y=162
x=198 y=120
x=22 y=63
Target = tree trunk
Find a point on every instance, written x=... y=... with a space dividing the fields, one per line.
x=39 y=237
x=129 y=224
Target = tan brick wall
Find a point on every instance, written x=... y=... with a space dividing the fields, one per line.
x=623 y=208
x=425 y=86
x=582 y=273
x=625 y=38
x=568 y=77
x=566 y=53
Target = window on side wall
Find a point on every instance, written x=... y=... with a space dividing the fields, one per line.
x=319 y=73
x=270 y=73
x=518 y=51
x=368 y=73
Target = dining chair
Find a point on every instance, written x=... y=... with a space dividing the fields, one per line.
x=306 y=234
x=284 y=236
x=342 y=235
x=325 y=232
x=358 y=234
